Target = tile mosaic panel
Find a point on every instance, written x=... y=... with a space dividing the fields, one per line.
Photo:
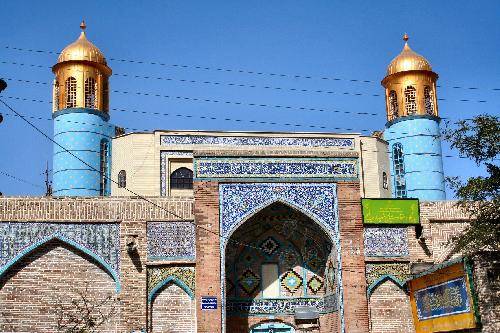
x=386 y=242
x=102 y=239
x=157 y=275
x=171 y=241
x=401 y=271
x=315 y=284
x=291 y=281
x=239 y=201
x=249 y=282
x=281 y=306
x=274 y=167
x=165 y=140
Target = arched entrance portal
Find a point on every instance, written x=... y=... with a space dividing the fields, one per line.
x=277 y=262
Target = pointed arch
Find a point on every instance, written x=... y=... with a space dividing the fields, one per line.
x=285 y=202
x=386 y=277
x=66 y=241
x=164 y=282
x=272 y=324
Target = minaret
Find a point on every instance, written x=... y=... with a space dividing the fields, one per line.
x=81 y=114
x=412 y=128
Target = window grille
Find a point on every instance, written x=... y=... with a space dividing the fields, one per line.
x=181 y=178
x=399 y=171
x=122 y=179
x=411 y=100
x=57 y=93
x=429 y=100
x=70 y=92
x=105 y=95
x=90 y=93
x=385 y=183
x=393 y=105
x=104 y=152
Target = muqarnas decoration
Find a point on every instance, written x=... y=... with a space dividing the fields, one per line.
x=386 y=242
x=171 y=241
x=100 y=239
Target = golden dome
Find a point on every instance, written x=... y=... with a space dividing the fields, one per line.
x=82 y=50
x=408 y=60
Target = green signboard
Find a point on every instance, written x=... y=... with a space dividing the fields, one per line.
x=390 y=211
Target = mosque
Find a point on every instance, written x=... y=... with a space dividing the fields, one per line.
x=218 y=231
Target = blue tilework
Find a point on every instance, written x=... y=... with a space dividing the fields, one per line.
x=101 y=239
x=255 y=141
x=386 y=242
x=281 y=306
x=423 y=163
x=81 y=133
x=171 y=241
x=274 y=168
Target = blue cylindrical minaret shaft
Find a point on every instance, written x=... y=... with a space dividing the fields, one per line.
x=421 y=170
x=86 y=134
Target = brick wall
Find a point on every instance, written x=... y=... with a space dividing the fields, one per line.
x=390 y=310
x=353 y=260
x=54 y=274
x=173 y=310
x=208 y=268
x=487 y=285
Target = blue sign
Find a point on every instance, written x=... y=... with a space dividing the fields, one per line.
x=444 y=299
x=208 y=303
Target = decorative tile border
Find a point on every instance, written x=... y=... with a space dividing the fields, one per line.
x=164 y=155
x=184 y=277
x=255 y=141
x=240 y=201
x=386 y=242
x=379 y=272
x=275 y=168
x=280 y=306
x=171 y=241
x=99 y=240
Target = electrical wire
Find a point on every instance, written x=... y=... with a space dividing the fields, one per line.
x=240 y=71
x=20 y=179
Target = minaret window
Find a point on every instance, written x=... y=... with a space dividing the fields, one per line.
x=181 y=178
x=105 y=95
x=429 y=100
x=70 y=92
x=57 y=93
x=104 y=154
x=90 y=93
x=410 y=100
x=385 y=184
x=399 y=171
x=393 y=105
x=122 y=179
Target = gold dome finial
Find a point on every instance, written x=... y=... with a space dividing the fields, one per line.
x=405 y=37
x=83 y=26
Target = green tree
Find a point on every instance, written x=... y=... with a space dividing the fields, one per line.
x=479 y=140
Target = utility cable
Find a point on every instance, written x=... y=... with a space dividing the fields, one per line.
x=240 y=71
x=20 y=179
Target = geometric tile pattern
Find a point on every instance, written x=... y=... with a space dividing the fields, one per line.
x=291 y=281
x=249 y=282
x=269 y=246
x=274 y=168
x=255 y=141
x=102 y=239
x=158 y=274
x=315 y=284
x=281 y=306
x=171 y=240
x=386 y=242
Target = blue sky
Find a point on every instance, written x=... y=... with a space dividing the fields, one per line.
x=339 y=40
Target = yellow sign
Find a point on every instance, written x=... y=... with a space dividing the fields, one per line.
x=442 y=301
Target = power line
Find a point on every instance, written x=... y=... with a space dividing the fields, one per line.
x=19 y=179
x=240 y=85
x=240 y=71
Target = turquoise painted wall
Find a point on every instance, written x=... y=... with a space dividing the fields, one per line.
x=423 y=163
x=79 y=131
